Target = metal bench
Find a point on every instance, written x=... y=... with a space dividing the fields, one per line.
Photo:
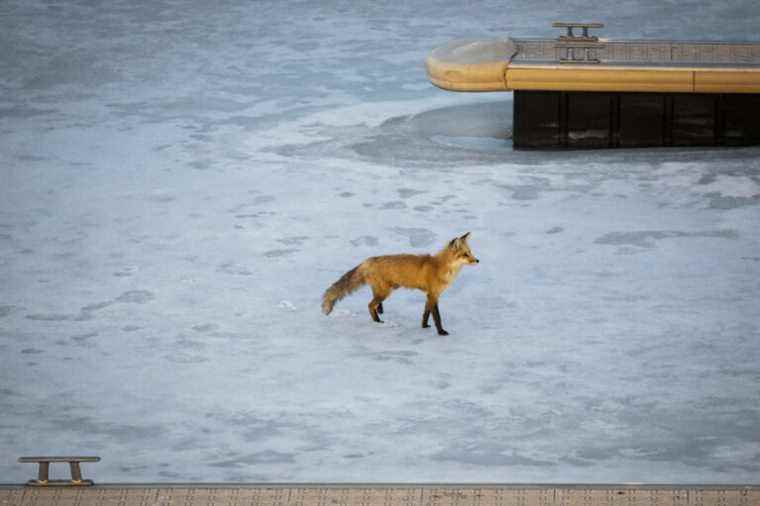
x=578 y=38
x=43 y=479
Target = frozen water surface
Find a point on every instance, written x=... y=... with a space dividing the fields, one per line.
x=180 y=181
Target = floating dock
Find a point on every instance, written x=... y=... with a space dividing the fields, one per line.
x=582 y=91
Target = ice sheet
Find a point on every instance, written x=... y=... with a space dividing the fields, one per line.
x=180 y=181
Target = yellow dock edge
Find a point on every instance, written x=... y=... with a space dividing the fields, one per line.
x=643 y=79
x=505 y=76
x=489 y=76
x=471 y=65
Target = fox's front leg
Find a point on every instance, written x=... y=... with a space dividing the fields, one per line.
x=431 y=306
x=429 y=303
x=437 y=319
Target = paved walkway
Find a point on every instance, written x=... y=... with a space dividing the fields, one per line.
x=381 y=495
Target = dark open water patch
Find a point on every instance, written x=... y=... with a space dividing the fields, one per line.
x=135 y=297
x=488 y=455
x=418 y=237
x=647 y=238
x=263 y=457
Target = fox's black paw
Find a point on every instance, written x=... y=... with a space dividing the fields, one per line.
x=425 y=326
x=442 y=333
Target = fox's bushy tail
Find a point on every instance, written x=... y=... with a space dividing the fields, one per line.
x=349 y=282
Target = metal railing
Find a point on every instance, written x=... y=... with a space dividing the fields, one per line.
x=572 y=48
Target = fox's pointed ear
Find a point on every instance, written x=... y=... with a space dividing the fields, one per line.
x=453 y=242
x=465 y=236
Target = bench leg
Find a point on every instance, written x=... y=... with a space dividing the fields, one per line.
x=76 y=472
x=43 y=473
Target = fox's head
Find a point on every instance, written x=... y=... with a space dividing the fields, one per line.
x=461 y=250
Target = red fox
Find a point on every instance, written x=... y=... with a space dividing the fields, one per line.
x=430 y=273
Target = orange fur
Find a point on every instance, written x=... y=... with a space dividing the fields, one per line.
x=430 y=273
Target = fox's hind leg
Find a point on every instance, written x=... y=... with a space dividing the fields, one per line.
x=373 y=304
x=376 y=304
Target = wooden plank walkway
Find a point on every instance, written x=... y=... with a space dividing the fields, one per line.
x=381 y=495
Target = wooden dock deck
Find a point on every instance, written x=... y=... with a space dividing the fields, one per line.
x=381 y=495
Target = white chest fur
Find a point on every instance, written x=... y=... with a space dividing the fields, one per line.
x=451 y=274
